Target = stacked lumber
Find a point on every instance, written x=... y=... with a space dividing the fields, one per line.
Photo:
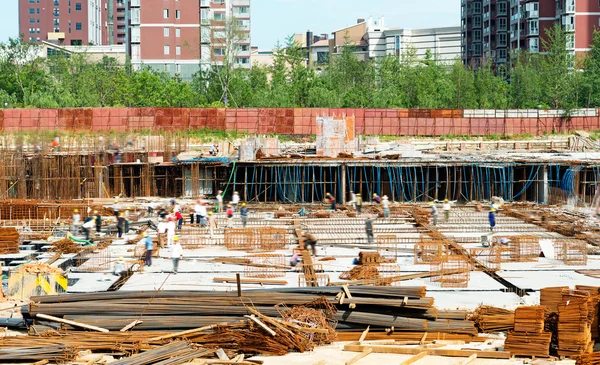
x=492 y=319
x=551 y=297
x=589 y=359
x=593 y=306
x=574 y=324
x=9 y=240
x=528 y=337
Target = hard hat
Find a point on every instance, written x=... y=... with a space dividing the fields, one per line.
x=145 y=234
x=431 y=203
x=243 y=204
x=493 y=210
x=446 y=199
x=175 y=238
x=210 y=213
x=120 y=259
x=95 y=212
x=374 y=194
x=76 y=211
x=122 y=215
x=235 y=192
x=198 y=201
x=229 y=205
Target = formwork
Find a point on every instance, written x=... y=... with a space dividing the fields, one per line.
x=452 y=271
x=571 y=251
x=490 y=257
x=264 y=265
x=524 y=248
x=430 y=251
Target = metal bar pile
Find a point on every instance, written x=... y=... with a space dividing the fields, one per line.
x=491 y=319
x=174 y=353
x=528 y=337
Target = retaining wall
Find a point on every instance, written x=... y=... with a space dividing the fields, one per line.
x=406 y=122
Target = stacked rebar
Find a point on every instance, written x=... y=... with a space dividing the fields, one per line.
x=492 y=319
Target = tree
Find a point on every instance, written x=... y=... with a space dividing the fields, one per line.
x=556 y=70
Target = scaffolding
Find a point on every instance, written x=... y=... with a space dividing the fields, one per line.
x=524 y=248
x=265 y=265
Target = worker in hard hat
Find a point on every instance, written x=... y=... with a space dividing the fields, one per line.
x=119 y=268
x=229 y=214
x=434 y=213
x=376 y=199
x=358 y=202
x=385 y=203
x=244 y=215
x=235 y=200
x=76 y=217
x=176 y=253
x=331 y=200
x=446 y=207
x=492 y=218
x=352 y=201
x=149 y=245
x=121 y=225
x=212 y=224
x=98 y=221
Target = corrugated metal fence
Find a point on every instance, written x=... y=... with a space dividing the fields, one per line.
x=406 y=122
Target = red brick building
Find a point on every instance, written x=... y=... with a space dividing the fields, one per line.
x=492 y=29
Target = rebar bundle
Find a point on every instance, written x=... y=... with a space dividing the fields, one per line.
x=492 y=319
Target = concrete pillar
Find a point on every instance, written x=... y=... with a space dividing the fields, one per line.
x=343 y=183
x=543 y=187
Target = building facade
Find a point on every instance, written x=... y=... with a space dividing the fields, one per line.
x=493 y=29
x=181 y=37
x=72 y=22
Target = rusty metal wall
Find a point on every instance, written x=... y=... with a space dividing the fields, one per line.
x=406 y=122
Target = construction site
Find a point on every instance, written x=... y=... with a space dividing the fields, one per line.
x=508 y=271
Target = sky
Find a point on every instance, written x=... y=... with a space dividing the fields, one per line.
x=273 y=20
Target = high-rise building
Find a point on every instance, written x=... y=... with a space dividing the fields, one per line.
x=492 y=29
x=180 y=37
x=70 y=22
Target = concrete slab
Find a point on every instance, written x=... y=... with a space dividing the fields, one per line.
x=91 y=282
x=540 y=279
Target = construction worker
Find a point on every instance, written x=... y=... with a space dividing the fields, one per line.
x=119 y=267
x=229 y=214
x=310 y=241
x=120 y=225
x=200 y=210
x=235 y=200
x=434 y=213
x=76 y=217
x=352 y=201
x=161 y=229
x=369 y=228
x=492 y=219
x=212 y=224
x=376 y=199
x=170 y=231
x=358 y=202
x=98 y=221
x=244 y=215
x=176 y=253
x=219 y=207
x=385 y=203
x=179 y=219
x=149 y=247
x=87 y=226
x=331 y=200
x=446 y=208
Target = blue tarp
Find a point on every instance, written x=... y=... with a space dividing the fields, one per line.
x=223 y=160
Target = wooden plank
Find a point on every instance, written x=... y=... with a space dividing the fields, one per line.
x=364 y=353
x=434 y=352
x=364 y=334
x=41 y=362
x=264 y=326
x=72 y=323
x=251 y=281
x=131 y=325
x=467 y=361
x=222 y=355
x=423 y=338
x=415 y=358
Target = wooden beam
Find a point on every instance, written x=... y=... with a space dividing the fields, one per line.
x=467 y=361
x=72 y=323
x=415 y=358
x=382 y=349
x=364 y=334
x=131 y=325
x=264 y=326
x=364 y=353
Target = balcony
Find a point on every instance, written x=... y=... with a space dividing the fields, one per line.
x=534 y=49
x=486 y=16
x=569 y=27
x=532 y=14
x=486 y=30
x=532 y=32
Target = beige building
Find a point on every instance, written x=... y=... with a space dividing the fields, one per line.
x=94 y=53
x=261 y=57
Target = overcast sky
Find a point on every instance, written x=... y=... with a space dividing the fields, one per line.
x=273 y=20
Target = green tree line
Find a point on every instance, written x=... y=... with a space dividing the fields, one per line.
x=553 y=79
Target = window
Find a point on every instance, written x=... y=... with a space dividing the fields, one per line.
x=37 y=10
x=56 y=3
x=77 y=26
x=178 y=68
x=219 y=16
x=56 y=30
x=502 y=39
x=242 y=48
x=165 y=68
x=37 y=30
x=166 y=13
x=177 y=32
x=56 y=22
x=166 y=32
x=167 y=50
x=69 y=30
x=477 y=21
x=219 y=51
x=178 y=50
x=56 y=12
x=32 y=30
x=78 y=6
x=31 y=11
x=243 y=10
x=242 y=61
x=502 y=8
x=204 y=16
x=31 y=39
x=570 y=41
x=177 y=14
x=69 y=10
x=31 y=20
x=477 y=36
x=476 y=8
x=502 y=55
x=31 y=1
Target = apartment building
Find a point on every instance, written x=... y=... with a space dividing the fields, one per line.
x=492 y=29
x=180 y=37
x=70 y=22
